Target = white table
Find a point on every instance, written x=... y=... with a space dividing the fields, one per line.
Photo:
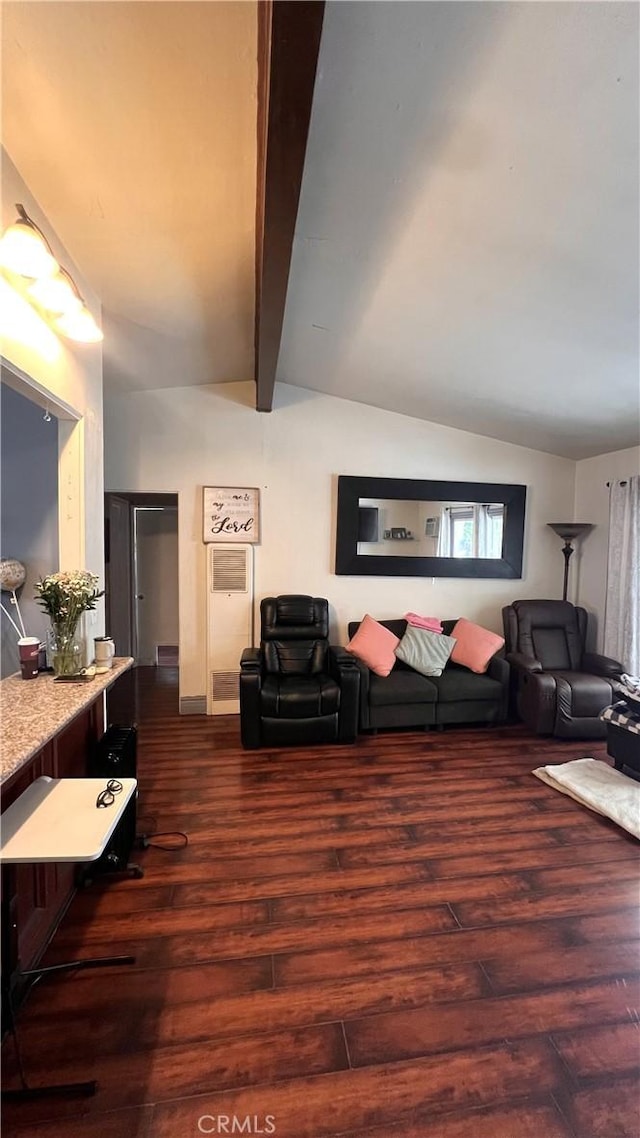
x=57 y=819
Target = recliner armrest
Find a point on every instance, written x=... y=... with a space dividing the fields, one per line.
x=537 y=701
x=251 y=660
x=524 y=663
x=343 y=667
x=341 y=663
x=250 y=689
x=498 y=669
x=601 y=665
x=363 y=685
x=341 y=657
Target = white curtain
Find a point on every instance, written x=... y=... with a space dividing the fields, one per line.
x=481 y=532
x=444 y=538
x=622 y=608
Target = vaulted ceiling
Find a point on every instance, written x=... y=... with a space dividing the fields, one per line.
x=134 y=125
x=466 y=247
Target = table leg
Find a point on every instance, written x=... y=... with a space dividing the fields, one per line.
x=73 y=965
x=25 y=1093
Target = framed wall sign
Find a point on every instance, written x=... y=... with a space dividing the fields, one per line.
x=231 y=513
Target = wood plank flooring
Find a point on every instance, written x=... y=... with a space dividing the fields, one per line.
x=409 y=936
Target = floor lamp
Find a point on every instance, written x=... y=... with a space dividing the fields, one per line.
x=569 y=531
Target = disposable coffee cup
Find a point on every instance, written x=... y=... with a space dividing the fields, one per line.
x=28 y=647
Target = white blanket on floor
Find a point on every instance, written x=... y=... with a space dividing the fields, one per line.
x=600 y=787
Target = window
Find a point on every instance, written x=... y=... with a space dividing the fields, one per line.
x=475 y=531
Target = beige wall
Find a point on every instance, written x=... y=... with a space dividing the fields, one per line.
x=72 y=374
x=592 y=505
x=183 y=438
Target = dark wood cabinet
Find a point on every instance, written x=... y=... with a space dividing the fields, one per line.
x=35 y=896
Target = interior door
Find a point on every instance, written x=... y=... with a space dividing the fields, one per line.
x=118 y=582
x=156 y=580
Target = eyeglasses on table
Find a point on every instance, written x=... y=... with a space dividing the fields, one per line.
x=107 y=796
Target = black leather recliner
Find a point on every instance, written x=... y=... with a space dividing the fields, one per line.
x=560 y=688
x=296 y=688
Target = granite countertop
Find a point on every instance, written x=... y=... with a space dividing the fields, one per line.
x=33 y=711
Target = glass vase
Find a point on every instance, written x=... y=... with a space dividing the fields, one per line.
x=65 y=652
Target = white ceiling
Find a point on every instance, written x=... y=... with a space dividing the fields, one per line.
x=134 y=126
x=467 y=240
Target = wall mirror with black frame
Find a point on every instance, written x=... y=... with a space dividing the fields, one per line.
x=398 y=527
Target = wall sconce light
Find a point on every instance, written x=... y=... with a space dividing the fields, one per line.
x=25 y=250
x=57 y=293
x=26 y=254
x=569 y=531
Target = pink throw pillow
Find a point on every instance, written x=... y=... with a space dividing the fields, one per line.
x=375 y=645
x=431 y=623
x=474 y=645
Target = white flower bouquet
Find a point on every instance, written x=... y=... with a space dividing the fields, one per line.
x=64 y=597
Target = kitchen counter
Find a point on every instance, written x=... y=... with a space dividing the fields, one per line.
x=32 y=712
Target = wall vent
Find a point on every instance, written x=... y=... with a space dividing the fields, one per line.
x=224 y=685
x=229 y=623
x=228 y=569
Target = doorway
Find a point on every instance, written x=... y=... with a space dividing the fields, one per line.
x=141 y=576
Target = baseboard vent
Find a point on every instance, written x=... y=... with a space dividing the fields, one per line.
x=167 y=655
x=193 y=705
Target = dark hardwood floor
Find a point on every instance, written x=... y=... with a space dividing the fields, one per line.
x=410 y=936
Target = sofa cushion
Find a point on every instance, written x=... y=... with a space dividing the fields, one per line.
x=461 y=684
x=401 y=687
x=425 y=651
x=475 y=645
x=374 y=645
x=397 y=627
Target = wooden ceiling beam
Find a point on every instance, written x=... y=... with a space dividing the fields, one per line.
x=289 y=34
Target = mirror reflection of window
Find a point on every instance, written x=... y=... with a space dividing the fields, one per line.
x=429 y=529
x=472 y=531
